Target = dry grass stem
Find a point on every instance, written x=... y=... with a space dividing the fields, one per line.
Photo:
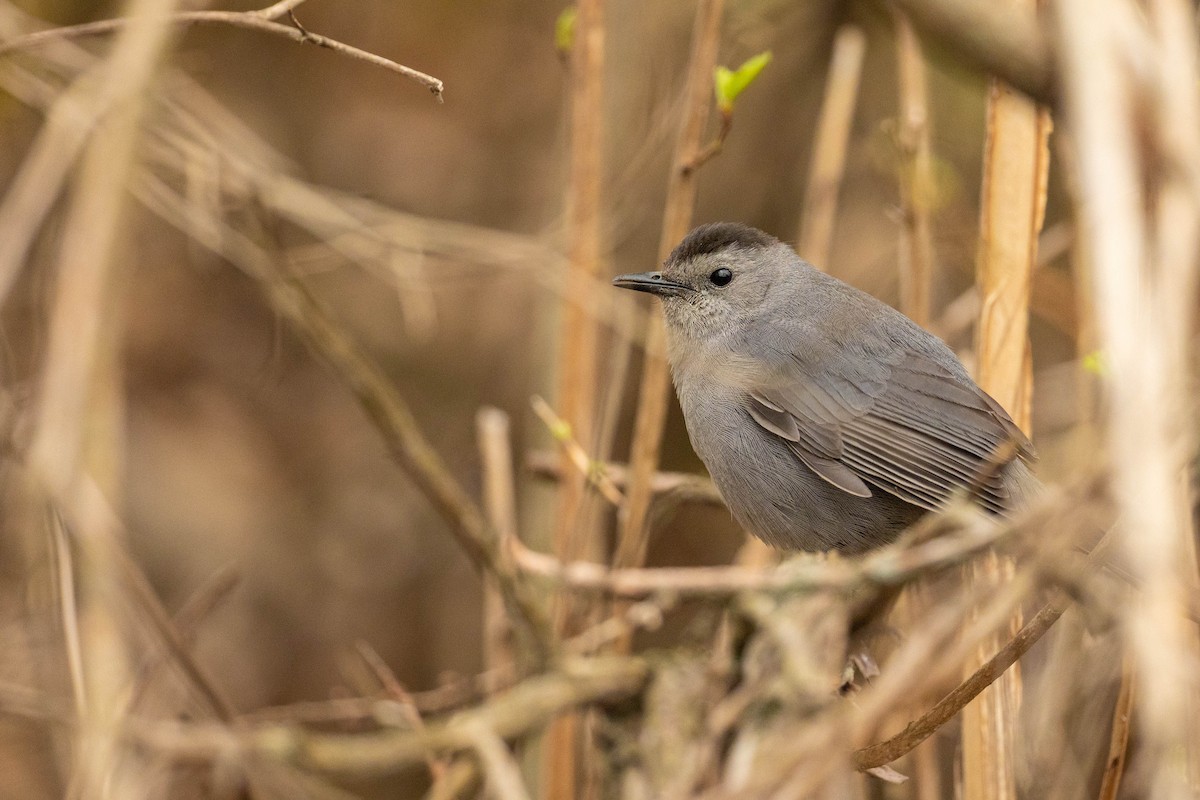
x=500 y=504
x=653 y=400
x=578 y=359
x=918 y=185
x=75 y=442
x=1118 y=743
x=1140 y=268
x=1015 y=174
x=829 y=151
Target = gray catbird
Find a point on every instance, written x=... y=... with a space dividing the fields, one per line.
x=827 y=419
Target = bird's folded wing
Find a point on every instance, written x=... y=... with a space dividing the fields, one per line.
x=910 y=428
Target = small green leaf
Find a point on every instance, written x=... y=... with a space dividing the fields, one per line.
x=1095 y=363
x=729 y=83
x=564 y=30
x=561 y=430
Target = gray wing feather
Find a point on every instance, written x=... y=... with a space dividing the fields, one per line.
x=912 y=428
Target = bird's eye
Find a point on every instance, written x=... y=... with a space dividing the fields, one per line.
x=721 y=277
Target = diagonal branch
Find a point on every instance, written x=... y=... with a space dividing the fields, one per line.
x=264 y=21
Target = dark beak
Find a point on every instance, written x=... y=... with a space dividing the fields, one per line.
x=652 y=282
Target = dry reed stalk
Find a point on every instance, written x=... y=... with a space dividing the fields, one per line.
x=829 y=150
x=75 y=451
x=1138 y=205
x=578 y=354
x=677 y=217
x=575 y=527
x=1118 y=744
x=917 y=181
x=1015 y=171
x=500 y=505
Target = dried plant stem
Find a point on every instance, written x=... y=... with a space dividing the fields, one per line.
x=917 y=182
x=74 y=454
x=500 y=504
x=578 y=463
x=576 y=533
x=1133 y=166
x=677 y=216
x=1118 y=742
x=944 y=710
x=697 y=488
x=1016 y=168
x=510 y=714
x=263 y=21
x=578 y=361
x=891 y=566
x=829 y=150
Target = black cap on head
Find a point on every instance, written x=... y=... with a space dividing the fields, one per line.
x=718 y=236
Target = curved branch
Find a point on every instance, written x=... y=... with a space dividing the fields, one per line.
x=917 y=731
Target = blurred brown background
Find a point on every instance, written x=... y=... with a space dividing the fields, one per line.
x=244 y=452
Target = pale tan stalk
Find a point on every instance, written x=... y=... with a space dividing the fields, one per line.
x=677 y=218
x=577 y=359
x=1138 y=207
x=828 y=162
x=917 y=182
x=1015 y=171
x=75 y=453
x=576 y=534
x=500 y=505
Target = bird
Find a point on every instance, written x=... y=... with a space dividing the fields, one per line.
x=827 y=419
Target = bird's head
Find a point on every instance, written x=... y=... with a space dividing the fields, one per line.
x=721 y=278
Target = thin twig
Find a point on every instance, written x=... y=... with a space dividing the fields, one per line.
x=521 y=710
x=927 y=724
x=391 y=684
x=262 y=21
x=695 y=487
x=886 y=567
x=593 y=471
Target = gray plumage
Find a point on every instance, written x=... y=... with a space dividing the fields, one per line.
x=827 y=419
